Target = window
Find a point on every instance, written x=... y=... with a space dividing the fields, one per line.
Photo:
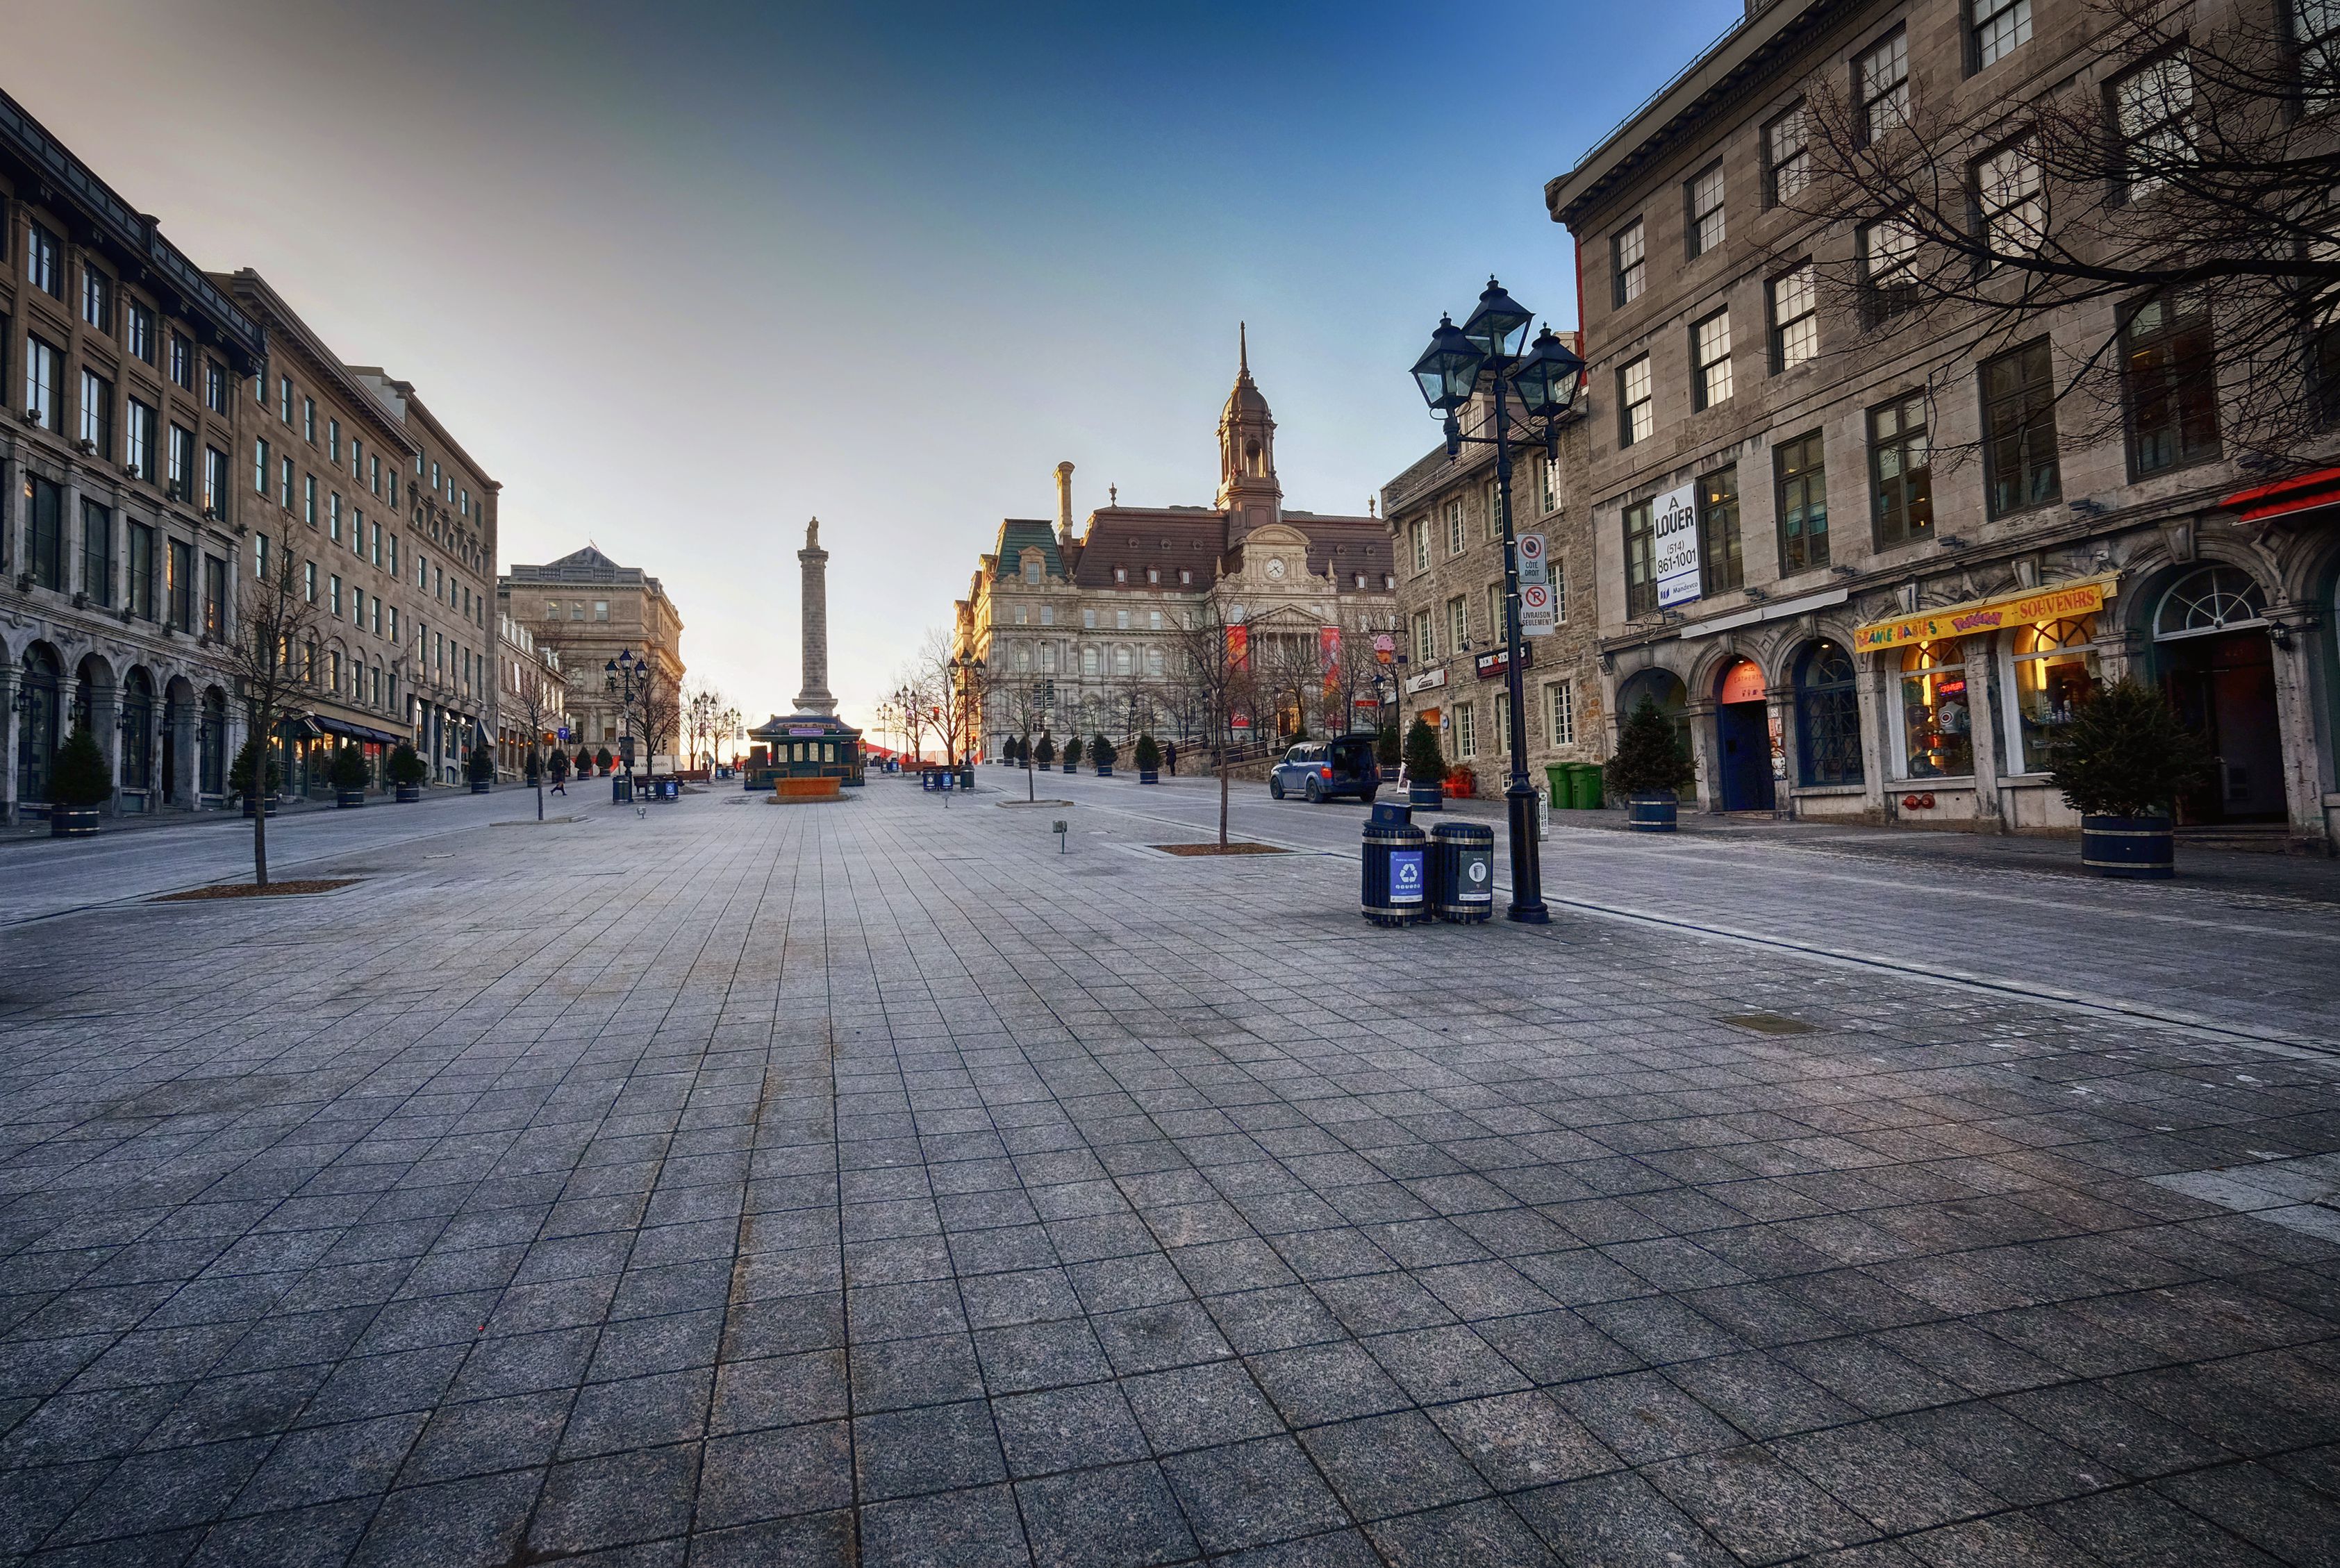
x=1418 y=532
x=309 y=581
x=1794 y=317
x=1558 y=570
x=215 y=482
x=46 y=502
x=183 y=361
x=260 y=556
x=1704 y=196
x=215 y=387
x=180 y=476
x=1641 y=561
x=1048 y=614
x=1425 y=641
x=334 y=595
x=214 y=597
x=1802 y=478
x=1497 y=627
x=1631 y=264
x=138 y=440
x=1827 y=716
x=140 y=320
x=2000 y=28
x=2053 y=670
x=284 y=486
x=1882 y=80
x=2171 y=383
x=2018 y=411
x=1559 y=702
x=1547 y=488
x=97 y=414
x=2010 y=200
x=1636 y=420
x=1121 y=620
x=1456 y=539
x=180 y=590
x=1709 y=354
x=1088 y=620
x=1466 y=731
x=1722 y=564
x=373 y=474
x=43 y=260
x=141 y=599
x=1458 y=624
x=1121 y=573
x=1937 y=720
x=1889 y=253
x=309 y=421
x=96 y=298
x=285 y=398
x=45 y=385
x=97 y=553
x=1901 y=479
x=333 y=511
x=1787 y=156
x=2153 y=113
x=309 y=502
x=1089 y=661
x=334 y=441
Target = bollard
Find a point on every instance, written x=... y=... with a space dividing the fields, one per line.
x=1395 y=870
x=1061 y=826
x=1464 y=854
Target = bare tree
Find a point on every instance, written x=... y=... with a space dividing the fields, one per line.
x=536 y=696
x=1215 y=674
x=658 y=709
x=272 y=652
x=2187 y=180
x=1356 y=671
x=1023 y=708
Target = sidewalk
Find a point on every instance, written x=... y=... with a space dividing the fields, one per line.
x=36 y=830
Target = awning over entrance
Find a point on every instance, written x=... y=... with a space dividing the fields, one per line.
x=2301 y=493
x=2078 y=597
x=364 y=734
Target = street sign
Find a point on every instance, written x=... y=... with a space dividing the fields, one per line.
x=1405 y=876
x=1674 y=525
x=564 y=732
x=1536 y=616
x=1532 y=568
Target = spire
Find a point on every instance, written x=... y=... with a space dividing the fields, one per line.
x=1242 y=352
x=1248 y=492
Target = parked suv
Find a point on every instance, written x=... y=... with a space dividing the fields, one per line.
x=1320 y=770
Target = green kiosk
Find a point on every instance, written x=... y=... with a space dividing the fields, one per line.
x=805 y=755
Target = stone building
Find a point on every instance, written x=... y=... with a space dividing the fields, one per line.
x=1447 y=543
x=1088 y=624
x=590 y=610
x=1847 y=628
x=121 y=526
x=528 y=678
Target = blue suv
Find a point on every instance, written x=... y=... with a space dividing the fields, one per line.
x=1319 y=770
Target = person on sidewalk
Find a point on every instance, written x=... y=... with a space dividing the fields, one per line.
x=560 y=770
x=1170 y=758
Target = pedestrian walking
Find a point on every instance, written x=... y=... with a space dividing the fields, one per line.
x=1170 y=758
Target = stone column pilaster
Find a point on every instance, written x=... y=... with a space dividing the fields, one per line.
x=11 y=724
x=814 y=561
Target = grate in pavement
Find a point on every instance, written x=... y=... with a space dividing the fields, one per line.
x=1766 y=1023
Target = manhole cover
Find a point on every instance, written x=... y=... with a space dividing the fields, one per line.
x=1766 y=1023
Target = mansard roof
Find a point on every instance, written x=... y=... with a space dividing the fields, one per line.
x=1018 y=535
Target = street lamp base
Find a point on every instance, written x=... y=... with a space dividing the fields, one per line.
x=1529 y=914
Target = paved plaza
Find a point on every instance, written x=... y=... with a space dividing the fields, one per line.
x=869 y=1183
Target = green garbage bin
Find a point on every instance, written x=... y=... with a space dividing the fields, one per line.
x=1587 y=795
x=1562 y=778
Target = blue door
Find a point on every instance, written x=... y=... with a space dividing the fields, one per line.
x=1745 y=730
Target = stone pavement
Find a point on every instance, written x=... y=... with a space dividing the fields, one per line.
x=870 y=1184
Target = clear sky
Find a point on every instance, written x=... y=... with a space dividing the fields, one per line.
x=683 y=275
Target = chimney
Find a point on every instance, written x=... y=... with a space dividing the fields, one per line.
x=1064 y=503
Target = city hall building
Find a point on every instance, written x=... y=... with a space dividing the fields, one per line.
x=1847 y=628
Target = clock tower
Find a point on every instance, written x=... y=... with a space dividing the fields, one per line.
x=1249 y=496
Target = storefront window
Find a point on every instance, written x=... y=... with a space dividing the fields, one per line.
x=2054 y=669
x=1937 y=722
x=1827 y=716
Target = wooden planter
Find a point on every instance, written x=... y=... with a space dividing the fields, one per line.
x=1651 y=813
x=409 y=793
x=2142 y=848
x=345 y=798
x=73 y=821
x=1426 y=798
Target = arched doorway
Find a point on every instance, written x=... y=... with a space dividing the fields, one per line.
x=1827 y=716
x=39 y=715
x=1742 y=729
x=1663 y=687
x=137 y=770
x=2211 y=646
x=212 y=771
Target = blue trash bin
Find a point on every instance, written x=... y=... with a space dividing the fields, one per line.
x=1396 y=869
x=1464 y=857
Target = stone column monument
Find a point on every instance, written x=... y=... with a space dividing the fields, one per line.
x=815 y=697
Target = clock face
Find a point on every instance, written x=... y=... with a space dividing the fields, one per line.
x=1276 y=566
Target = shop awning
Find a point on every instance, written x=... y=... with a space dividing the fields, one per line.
x=2301 y=493
x=364 y=734
x=2078 y=597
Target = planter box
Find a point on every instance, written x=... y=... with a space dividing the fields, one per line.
x=1425 y=797
x=1105 y=771
x=1651 y=813
x=1149 y=775
x=343 y=799
x=409 y=793
x=483 y=786
x=73 y=821
x=1072 y=767
x=271 y=808
x=2137 y=847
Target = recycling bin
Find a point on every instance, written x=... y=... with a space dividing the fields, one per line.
x=1561 y=776
x=1463 y=855
x=1586 y=794
x=1396 y=868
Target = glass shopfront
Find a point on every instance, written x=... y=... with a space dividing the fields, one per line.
x=1936 y=712
x=2054 y=670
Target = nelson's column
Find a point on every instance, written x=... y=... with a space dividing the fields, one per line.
x=815 y=697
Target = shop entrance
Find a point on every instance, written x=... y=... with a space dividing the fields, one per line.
x=1744 y=730
x=2218 y=668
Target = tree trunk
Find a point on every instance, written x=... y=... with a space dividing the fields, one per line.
x=1223 y=798
x=259 y=799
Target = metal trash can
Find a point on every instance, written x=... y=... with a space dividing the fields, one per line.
x=621 y=789
x=1464 y=884
x=1396 y=869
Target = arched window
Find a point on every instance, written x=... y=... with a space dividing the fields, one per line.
x=1827 y=716
x=137 y=730
x=2054 y=670
x=1936 y=719
x=2211 y=600
x=39 y=702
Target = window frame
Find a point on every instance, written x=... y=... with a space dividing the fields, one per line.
x=1807 y=318
x=1702 y=368
x=2024 y=392
x=1981 y=17
x=1898 y=443
x=1629 y=279
x=1695 y=240
x=1893 y=43
x=2186 y=372
x=1800 y=159
x=1721 y=549
x=1805 y=559
x=2131 y=187
x=1637 y=521
x=1628 y=434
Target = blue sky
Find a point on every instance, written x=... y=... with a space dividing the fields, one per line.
x=681 y=276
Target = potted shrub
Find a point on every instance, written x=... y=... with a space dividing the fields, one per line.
x=349 y=776
x=239 y=777
x=480 y=769
x=1387 y=752
x=78 y=787
x=1149 y=760
x=1650 y=768
x=407 y=770
x=584 y=763
x=1044 y=752
x=1425 y=769
x=604 y=761
x=1102 y=753
x=2122 y=760
x=1072 y=752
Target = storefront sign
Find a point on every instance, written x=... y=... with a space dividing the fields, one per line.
x=1980 y=616
x=1673 y=520
x=1428 y=680
x=1498 y=663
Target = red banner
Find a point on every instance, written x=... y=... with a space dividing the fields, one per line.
x=1238 y=646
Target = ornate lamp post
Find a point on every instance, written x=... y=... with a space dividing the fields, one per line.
x=628 y=679
x=1491 y=350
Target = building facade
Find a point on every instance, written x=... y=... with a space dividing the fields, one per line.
x=532 y=699
x=1847 y=627
x=122 y=528
x=1446 y=536
x=589 y=609
x=1083 y=631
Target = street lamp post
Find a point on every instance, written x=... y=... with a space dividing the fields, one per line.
x=1492 y=346
x=628 y=680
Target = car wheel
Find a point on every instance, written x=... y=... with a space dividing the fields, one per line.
x=1365 y=797
x=1275 y=787
x=1314 y=793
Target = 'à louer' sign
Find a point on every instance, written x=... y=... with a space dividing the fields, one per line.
x=1979 y=616
x=1673 y=522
